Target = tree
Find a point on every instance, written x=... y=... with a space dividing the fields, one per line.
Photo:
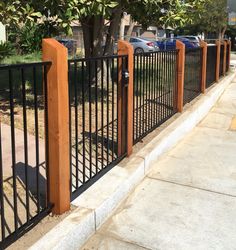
x=209 y=17
x=231 y=33
x=100 y=19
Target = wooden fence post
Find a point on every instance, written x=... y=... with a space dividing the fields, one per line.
x=58 y=125
x=229 y=43
x=225 y=51
x=218 y=45
x=125 y=101
x=180 y=76
x=204 y=65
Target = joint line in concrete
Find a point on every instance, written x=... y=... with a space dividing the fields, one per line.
x=185 y=185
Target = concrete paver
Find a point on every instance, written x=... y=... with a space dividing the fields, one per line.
x=188 y=200
x=161 y=215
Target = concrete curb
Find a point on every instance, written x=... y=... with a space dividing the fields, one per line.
x=98 y=202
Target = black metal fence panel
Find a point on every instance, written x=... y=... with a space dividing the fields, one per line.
x=23 y=133
x=192 y=74
x=211 y=65
x=155 y=79
x=93 y=90
x=221 y=60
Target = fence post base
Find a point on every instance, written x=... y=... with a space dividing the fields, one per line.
x=58 y=125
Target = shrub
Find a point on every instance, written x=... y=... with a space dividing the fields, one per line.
x=28 y=37
x=6 y=49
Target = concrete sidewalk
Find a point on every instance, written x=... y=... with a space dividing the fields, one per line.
x=188 y=200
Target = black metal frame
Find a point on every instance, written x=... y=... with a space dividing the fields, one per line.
x=93 y=116
x=155 y=83
x=16 y=75
x=192 y=74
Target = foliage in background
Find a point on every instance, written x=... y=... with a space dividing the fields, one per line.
x=17 y=11
x=27 y=37
x=6 y=50
x=210 y=18
x=99 y=18
x=173 y=13
x=231 y=32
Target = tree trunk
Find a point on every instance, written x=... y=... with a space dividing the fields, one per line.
x=86 y=27
x=93 y=29
x=223 y=32
x=219 y=35
x=122 y=28
x=93 y=33
x=114 y=25
x=130 y=30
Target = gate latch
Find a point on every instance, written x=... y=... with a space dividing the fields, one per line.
x=125 y=77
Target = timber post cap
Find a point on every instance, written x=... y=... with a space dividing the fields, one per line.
x=203 y=44
x=124 y=47
x=53 y=43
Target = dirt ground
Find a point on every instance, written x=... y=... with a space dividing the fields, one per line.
x=37 y=232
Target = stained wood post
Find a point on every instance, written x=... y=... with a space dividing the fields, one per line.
x=180 y=75
x=125 y=101
x=229 y=44
x=58 y=125
x=218 y=45
x=204 y=65
x=225 y=53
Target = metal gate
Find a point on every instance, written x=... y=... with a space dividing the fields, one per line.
x=95 y=88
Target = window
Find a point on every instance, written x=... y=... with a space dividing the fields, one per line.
x=134 y=40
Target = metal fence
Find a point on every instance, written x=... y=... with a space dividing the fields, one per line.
x=221 y=60
x=211 y=65
x=93 y=92
x=154 y=90
x=98 y=120
x=23 y=133
x=192 y=74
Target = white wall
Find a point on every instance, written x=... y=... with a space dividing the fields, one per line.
x=2 y=32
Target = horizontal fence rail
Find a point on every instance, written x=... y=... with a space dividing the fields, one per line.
x=192 y=74
x=23 y=133
x=155 y=79
x=211 y=65
x=93 y=91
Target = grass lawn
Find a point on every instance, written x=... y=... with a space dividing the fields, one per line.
x=14 y=59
